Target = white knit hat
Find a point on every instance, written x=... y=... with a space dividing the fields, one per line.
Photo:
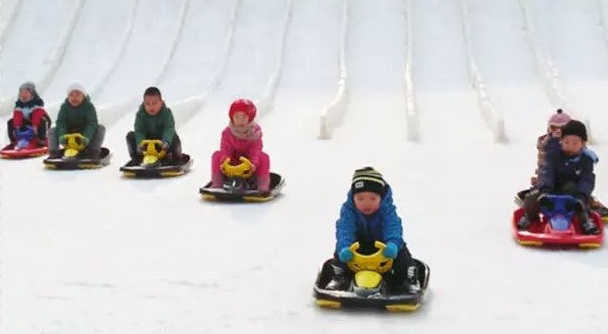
x=77 y=86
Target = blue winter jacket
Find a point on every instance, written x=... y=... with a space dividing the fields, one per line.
x=384 y=225
x=560 y=168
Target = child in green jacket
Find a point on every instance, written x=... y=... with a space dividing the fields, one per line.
x=77 y=115
x=154 y=121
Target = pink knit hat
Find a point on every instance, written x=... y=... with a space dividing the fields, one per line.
x=559 y=119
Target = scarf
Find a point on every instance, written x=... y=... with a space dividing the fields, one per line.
x=248 y=132
x=34 y=102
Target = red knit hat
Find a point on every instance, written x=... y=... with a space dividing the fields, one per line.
x=243 y=105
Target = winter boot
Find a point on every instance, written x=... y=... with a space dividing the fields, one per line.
x=263 y=184
x=55 y=154
x=523 y=223
x=92 y=154
x=411 y=284
x=42 y=142
x=340 y=281
x=587 y=225
x=217 y=180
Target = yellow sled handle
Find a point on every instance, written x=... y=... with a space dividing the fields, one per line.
x=151 y=154
x=72 y=141
x=243 y=170
x=374 y=262
x=73 y=146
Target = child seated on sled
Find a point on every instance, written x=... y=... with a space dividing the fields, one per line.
x=241 y=138
x=154 y=121
x=369 y=215
x=554 y=126
x=77 y=114
x=29 y=112
x=566 y=170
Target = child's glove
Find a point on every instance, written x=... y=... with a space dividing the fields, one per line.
x=345 y=255
x=391 y=250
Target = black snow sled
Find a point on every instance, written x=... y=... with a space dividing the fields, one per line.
x=134 y=168
x=154 y=163
x=241 y=185
x=80 y=161
x=75 y=155
x=243 y=190
x=374 y=293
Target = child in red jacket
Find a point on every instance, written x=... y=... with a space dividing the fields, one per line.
x=29 y=112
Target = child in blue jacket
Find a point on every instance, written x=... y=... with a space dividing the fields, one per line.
x=368 y=215
x=567 y=169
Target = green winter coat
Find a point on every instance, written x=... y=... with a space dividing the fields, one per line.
x=81 y=119
x=160 y=126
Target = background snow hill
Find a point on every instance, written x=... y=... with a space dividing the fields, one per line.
x=91 y=252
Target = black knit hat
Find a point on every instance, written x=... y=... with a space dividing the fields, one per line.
x=575 y=128
x=368 y=179
x=152 y=91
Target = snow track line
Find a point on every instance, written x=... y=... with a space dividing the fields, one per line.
x=333 y=114
x=547 y=71
x=189 y=106
x=59 y=51
x=544 y=64
x=264 y=103
x=490 y=115
x=127 y=36
x=411 y=112
x=115 y=111
x=9 y=25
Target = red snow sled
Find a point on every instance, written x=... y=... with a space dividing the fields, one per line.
x=10 y=152
x=26 y=146
x=558 y=226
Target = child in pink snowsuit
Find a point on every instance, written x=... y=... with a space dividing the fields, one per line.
x=242 y=138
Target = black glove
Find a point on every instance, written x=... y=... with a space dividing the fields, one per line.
x=581 y=203
x=141 y=148
x=544 y=201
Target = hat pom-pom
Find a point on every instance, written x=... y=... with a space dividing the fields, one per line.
x=559 y=111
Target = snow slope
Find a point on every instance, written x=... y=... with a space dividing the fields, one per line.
x=104 y=254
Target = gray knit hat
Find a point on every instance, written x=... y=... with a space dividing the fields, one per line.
x=30 y=87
